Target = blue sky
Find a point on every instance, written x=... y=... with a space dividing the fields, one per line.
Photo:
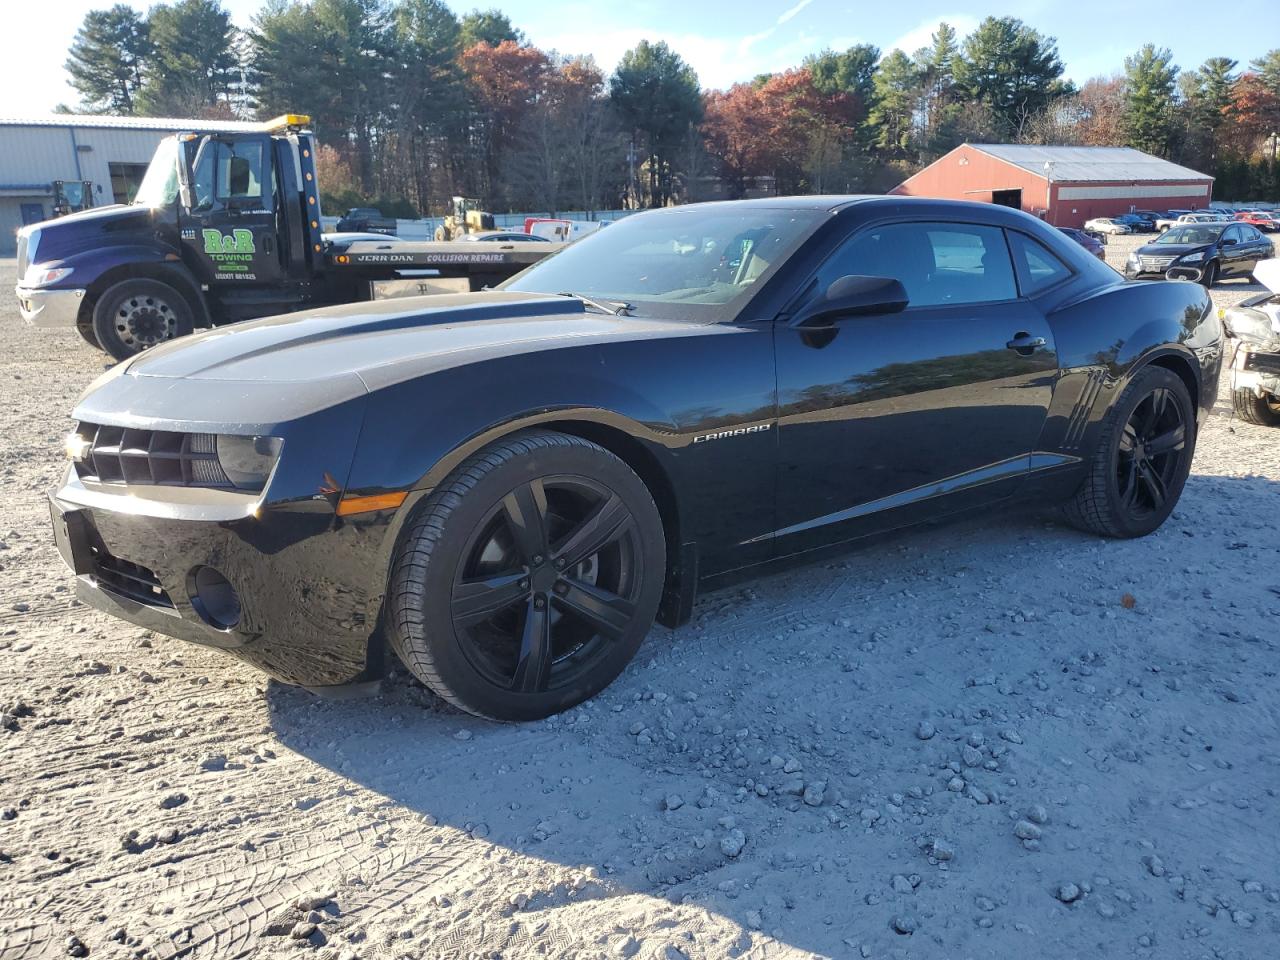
x=728 y=40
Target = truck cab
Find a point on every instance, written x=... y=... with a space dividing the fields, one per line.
x=225 y=227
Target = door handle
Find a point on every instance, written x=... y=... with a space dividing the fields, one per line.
x=268 y=244
x=1025 y=344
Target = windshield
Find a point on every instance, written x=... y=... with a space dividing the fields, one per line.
x=698 y=262
x=1191 y=234
x=159 y=185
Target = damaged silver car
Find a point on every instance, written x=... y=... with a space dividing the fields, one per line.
x=1255 y=366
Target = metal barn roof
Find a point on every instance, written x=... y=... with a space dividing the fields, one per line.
x=1080 y=164
x=128 y=123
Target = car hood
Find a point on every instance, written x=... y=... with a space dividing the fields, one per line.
x=1267 y=273
x=276 y=369
x=1171 y=249
x=417 y=333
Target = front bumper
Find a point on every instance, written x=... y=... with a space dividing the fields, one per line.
x=1174 y=272
x=1257 y=372
x=308 y=600
x=49 y=308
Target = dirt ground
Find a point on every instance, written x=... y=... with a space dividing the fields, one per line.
x=992 y=739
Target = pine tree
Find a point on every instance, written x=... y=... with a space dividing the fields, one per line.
x=107 y=57
x=194 y=66
x=1150 y=78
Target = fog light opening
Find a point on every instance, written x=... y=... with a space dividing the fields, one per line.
x=213 y=598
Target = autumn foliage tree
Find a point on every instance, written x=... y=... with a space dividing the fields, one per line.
x=785 y=128
x=506 y=82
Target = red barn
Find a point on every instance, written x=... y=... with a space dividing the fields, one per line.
x=1064 y=185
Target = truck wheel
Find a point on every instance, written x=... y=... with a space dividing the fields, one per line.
x=86 y=331
x=1263 y=410
x=528 y=580
x=1142 y=459
x=136 y=314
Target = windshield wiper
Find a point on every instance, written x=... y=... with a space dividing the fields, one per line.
x=619 y=308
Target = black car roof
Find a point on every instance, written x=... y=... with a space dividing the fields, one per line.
x=838 y=202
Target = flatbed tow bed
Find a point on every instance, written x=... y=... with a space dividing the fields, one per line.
x=450 y=257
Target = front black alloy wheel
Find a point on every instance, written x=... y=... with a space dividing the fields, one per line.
x=529 y=579
x=1143 y=458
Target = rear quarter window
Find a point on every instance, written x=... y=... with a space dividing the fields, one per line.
x=1038 y=267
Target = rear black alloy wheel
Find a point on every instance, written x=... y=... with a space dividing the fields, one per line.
x=1143 y=458
x=136 y=314
x=529 y=579
x=1150 y=454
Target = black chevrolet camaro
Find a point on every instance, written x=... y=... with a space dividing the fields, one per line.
x=506 y=488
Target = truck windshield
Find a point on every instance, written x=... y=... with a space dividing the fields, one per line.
x=697 y=262
x=159 y=185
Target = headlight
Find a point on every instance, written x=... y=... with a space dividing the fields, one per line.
x=248 y=461
x=38 y=276
x=1244 y=323
x=1192 y=257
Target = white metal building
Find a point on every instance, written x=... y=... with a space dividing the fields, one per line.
x=110 y=152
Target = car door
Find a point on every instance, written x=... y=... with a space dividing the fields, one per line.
x=887 y=419
x=1259 y=246
x=229 y=233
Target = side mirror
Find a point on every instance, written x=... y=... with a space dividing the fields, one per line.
x=1228 y=241
x=852 y=296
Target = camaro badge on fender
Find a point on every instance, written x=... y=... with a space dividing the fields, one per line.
x=721 y=434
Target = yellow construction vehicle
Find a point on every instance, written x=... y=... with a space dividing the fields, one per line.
x=467 y=217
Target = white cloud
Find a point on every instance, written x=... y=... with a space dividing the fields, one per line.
x=788 y=14
x=921 y=35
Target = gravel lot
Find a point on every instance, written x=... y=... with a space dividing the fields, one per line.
x=982 y=740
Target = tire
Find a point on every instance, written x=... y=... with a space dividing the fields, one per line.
x=136 y=314
x=515 y=620
x=1210 y=276
x=1251 y=408
x=1129 y=491
x=86 y=332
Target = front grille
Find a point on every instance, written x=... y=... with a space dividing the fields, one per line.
x=1265 y=362
x=1155 y=264
x=129 y=456
x=129 y=579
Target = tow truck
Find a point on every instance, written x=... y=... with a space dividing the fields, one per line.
x=226 y=227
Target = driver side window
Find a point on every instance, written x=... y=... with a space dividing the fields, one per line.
x=234 y=172
x=939 y=264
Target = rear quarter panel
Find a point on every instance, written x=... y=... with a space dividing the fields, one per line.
x=1105 y=337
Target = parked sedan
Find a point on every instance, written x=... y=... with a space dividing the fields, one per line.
x=1137 y=223
x=1205 y=252
x=1107 y=225
x=503 y=489
x=1088 y=241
